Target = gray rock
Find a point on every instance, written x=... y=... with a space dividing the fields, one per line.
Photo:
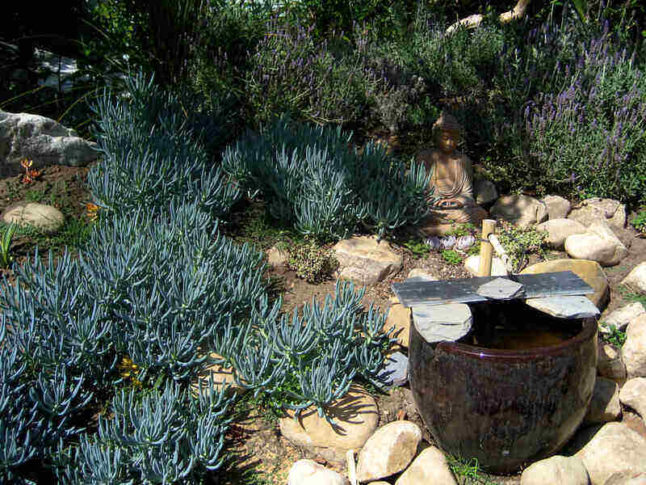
x=395 y=372
x=621 y=317
x=429 y=467
x=634 y=349
x=568 y=307
x=556 y=470
x=633 y=395
x=521 y=210
x=501 y=289
x=596 y=209
x=42 y=140
x=390 y=450
x=439 y=323
x=485 y=191
x=308 y=472
x=558 y=230
x=41 y=216
x=636 y=279
x=557 y=206
x=614 y=448
x=604 y=405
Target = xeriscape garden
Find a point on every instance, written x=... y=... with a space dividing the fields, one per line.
x=235 y=146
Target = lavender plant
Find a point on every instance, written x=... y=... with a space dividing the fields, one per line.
x=313 y=180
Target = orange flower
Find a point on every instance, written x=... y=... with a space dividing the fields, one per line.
x=92 y=211
x=30 y=174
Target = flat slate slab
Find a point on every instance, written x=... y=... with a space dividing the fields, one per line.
x=568 y=307
x=441 y=323
x=465 y=290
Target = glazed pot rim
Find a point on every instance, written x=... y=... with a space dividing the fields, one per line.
x=587 y=332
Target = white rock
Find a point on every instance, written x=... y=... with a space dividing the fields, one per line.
x=567 y=307
x=595 y=209
x=609 y=363
x=621 y=317
x=365 y=260
x=634 y=349
x=44 y=217
x=472 y=264
x=558 y=230
x=388 y=451
x=557 y=206
x=636 y=279
x=395 y=371
x=556 y=470
x=429 y=467
x=598 y=244
x=42 y=140
x=437 y=323
x=521 y=210
x=277 y=258
x=485 y=191
x=614 y=448
x=604 y=405
x=633 y=395
x=308 y=472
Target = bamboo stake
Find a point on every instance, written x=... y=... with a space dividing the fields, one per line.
x=501 y=253
x=352 y=467
x=486 y=249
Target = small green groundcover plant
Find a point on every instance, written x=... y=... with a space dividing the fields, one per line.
x=311 y=262
x=520 y=243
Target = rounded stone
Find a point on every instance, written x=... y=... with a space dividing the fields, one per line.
x=556 y=470
x=614 y=448
x=308 y=472
x=355 y=418
x=634 y=349
x=388 y=451
x=429 y=467
x=595 y=209
x=557 y=206
x=558 y=230
x=521 y=210
x=633 y=395
x=366 y=260
x=589 y=271
x=599 y=244
x=41 y=216
x=472 y=265
x=621 y=317
x=609 y=363
x=636 y=279
x=398 y=319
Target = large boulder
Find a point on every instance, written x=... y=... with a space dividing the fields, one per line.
x=42 y=140
x=626 y=478
x=609 y=363
x=398 y=319
x=634 y=349
x=615 y=448
x=633 y=395
x=390 y=450
x=621 y=317
x=355 y=419
x=596 y=209
x=557 y=206
x=521 y=210
x=366 y=260
x=588 y=271
x=636 y=279
x=46 y=218
x=558 y=230
x=598 y=244
x=308 y=472
x=429 y=467
x=556 y=470
x=604 y=405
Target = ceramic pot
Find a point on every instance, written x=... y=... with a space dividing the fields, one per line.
x=504 y=407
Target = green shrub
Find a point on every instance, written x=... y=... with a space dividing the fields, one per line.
x=311 y=262
x=639 y=221
x=519 y=243
x=451 y=256
x=312 y=178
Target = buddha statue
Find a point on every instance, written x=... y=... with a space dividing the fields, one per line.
x=451 y=180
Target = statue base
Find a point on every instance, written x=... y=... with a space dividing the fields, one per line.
x=441 y=221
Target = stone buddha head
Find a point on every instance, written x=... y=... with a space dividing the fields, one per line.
x=447 y=133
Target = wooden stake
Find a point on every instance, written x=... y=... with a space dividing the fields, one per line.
x=486 y=249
